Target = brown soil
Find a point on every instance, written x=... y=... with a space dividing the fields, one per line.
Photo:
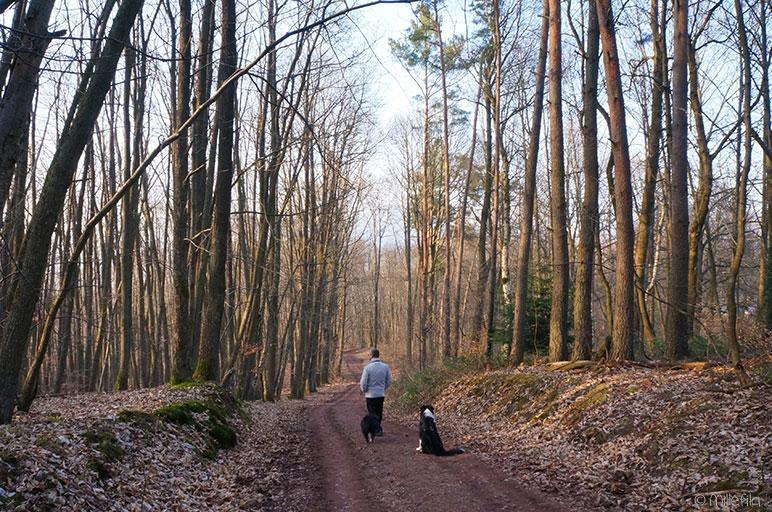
x=389 y=474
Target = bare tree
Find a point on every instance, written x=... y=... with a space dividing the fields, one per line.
x=676 y=342
x=558 y=205
x=625 y=242
x=589 y=217
x=214 y=305
x=529 y=192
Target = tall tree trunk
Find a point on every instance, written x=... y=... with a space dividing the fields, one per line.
x=214 y=305
x=461 y=230
x=485 y=213
x=558 y=206
x=425 y=228
x=32 y=40
x=128 y=235
x=676 y=334
x=201 y=182
x=446 y=347
x=625 y=271
x=589 y=215
x=408 y=269
x=180 y=260
x=739 y=246
x=529 y=191
x=766 y=119
x=493 y=275
x=653 y=140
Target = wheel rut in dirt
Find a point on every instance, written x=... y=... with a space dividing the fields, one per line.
x=390 y=475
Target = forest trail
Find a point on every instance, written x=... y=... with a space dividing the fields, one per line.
x=389 y=474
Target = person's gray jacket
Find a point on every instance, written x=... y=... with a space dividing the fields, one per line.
x=376 y=377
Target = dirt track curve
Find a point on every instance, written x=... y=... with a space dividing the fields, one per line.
x=390 y=475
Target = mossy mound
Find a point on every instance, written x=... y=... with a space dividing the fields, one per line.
x=106 y=442
x=223 y=435
x=205 y=416
x=210 y=414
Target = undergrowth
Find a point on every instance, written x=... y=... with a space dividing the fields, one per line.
x=418 y=387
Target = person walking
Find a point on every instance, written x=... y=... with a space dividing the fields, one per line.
x=376 y=377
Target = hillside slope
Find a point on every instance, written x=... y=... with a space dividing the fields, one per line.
x=155 y=449
x=622 y=437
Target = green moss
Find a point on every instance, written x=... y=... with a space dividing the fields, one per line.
x=184 y=384
x=206 y=416
x=517 y=392
x=49 y=443
x=99 y=468
x=182 y=412
x=223 y=435
x=140 y=418
x=210 y=450
x=178 y=413
x=54 y=418
x=8 y=458
x=111 y=449
x=97 y=436
x=633 y=389
x=596 y=396
x=106 y=442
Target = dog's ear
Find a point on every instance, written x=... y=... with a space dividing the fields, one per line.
x=430 y=408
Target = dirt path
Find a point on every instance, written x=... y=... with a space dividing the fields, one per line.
x=390 y=475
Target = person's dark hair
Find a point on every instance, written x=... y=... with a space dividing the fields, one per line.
x=374 y=352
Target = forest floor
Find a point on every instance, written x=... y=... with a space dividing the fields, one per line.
x=608 y=439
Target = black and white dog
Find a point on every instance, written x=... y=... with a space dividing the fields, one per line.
x=370 y=426
x=428 y=438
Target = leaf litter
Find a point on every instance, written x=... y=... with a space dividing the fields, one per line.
x=620 y=437
x=76 y=453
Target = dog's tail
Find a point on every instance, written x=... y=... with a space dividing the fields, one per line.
x=454 y=451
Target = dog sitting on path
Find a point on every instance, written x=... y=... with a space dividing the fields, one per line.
x=428 y=438
x=371 y=425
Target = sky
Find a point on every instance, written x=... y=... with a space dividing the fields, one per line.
x=380 y=23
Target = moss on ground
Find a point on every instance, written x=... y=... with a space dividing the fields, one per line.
x=223 y=435
x=99 y=468
x=185 y=384
x=49 y=443
x=139 y=418
x=8 y=457
x=577 y=410
x=209 y=416
x=106 y=442
x=206 y=416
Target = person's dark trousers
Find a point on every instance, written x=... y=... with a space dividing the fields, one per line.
x=375 y=406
